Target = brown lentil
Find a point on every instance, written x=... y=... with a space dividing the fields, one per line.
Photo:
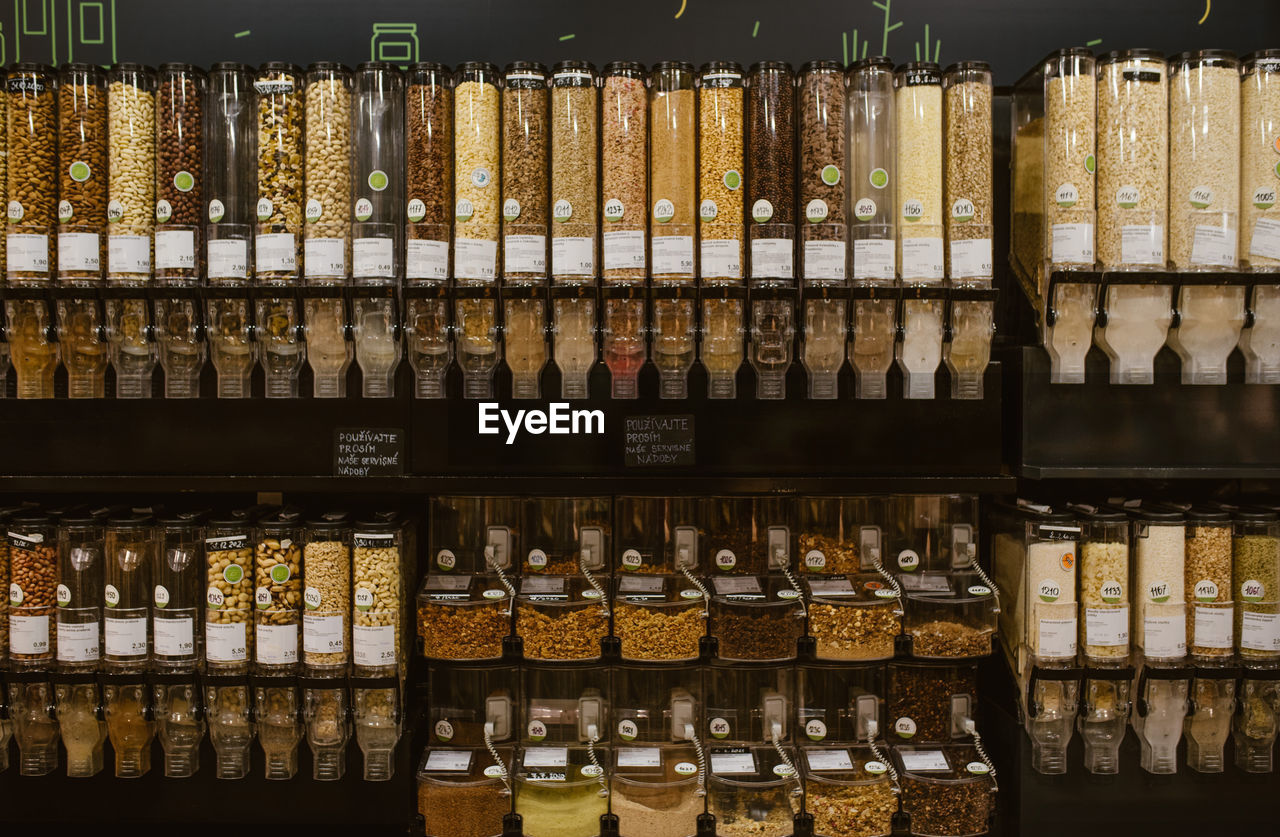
x=771 y=160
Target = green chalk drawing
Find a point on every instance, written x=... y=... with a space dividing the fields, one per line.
x=243 y=34
x=1208 y=4
x=888 y=27
x=1094 y=42
x=844 y=45
x=567 y=37
x=394 y=42
x=683 y=3
x=937 y=47
x=756 y=30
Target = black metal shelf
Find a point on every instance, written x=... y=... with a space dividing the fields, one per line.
x=1162 y=431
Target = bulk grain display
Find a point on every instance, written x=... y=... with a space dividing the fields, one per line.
x=821 y=170
x=379 y=600
x=1070 y=164
x=1104 y=587
x=131 y=146
x=277 y=572
x=1133 y=160
x=32 y=147
x=1259 y=176
x=672 y=170
x=327 y=174
x=33 y=581
x=229 y=597
x=624 y=171
x=771 y=170
x=720 y=171
x=526 y=208
x=1204 y=160
x=575 y=200
x=1255 y=560
x=180 y=99
x=872 y=167
x=280 y=138
x=82 y=172
x=429 y=185
x=968 y=202
x=1208 y=587
x=326 y=574
x=918 y=107
x=477 y=143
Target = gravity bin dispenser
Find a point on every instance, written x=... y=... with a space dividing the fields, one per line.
x=1036 y=559
x=81 y=723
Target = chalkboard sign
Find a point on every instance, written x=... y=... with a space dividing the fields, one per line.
x=368 y=452
x=1010 y=34
x=658 y=441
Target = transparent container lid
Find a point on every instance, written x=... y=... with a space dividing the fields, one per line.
x=949 y=615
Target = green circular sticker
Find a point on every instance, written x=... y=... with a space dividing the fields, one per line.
x=80 y=171
x=280 y=573
x=879 y=178
x=377 y=180
x=184 y=181
x=732 y=180
x=830 y=175
x=875 y=768
x=1090 y=163
x=233 y=573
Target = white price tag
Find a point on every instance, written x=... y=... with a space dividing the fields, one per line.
x=640 y=584
x=573 y=255
x=624 y=250
x=525 y=254
x=79 y=251
x=731 y=764
x=1266 y=239
x=78 y=642
x=28 y=634
x=225 y=643
x=374 y=645
x=731 y=585
x=721 y=258
x=448 y=761
x=1164 y=636
x=673 y=255
x=923 y=761
x=373 y=258
x=426 y=259
x=324 y=258
x=1106 y=626
x=175 y=249
x=129 y=254
x=174 y=637
x=228 y=258
x=542 y=585
x=1142 y=244
x=1058 y=637
x=831 y=587
x=874 y=258
x=639 y=757
x=820 y=760
x=546 y=756
x=971 y=259
x=448 y=582
x=773 y=258
x=1214 y=246
x=276 y=253
x=824 y=259
x=475 y=258
x=1212 y=627
x=922 y=259
x=323 y=634
x=1260 y=631
x=126 y=637
x=27 y=253
x=277 y=645
x=1072 y=243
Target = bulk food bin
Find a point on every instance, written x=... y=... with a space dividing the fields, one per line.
x=947 y=791
x=839 y=704
x=658 y=618
x=755 y=619
x=463 y=792
x=949 y=615
x=753 y=791
x=849 y=791
x=561 y=618
x=838 y=535
x=856 y=617
x=657 y=535
x=565 y=535
x=463 y=617
x=561 y=791
x=657 y=791
x=929 y=702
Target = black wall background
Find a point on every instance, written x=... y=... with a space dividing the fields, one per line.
x=1011 y=34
